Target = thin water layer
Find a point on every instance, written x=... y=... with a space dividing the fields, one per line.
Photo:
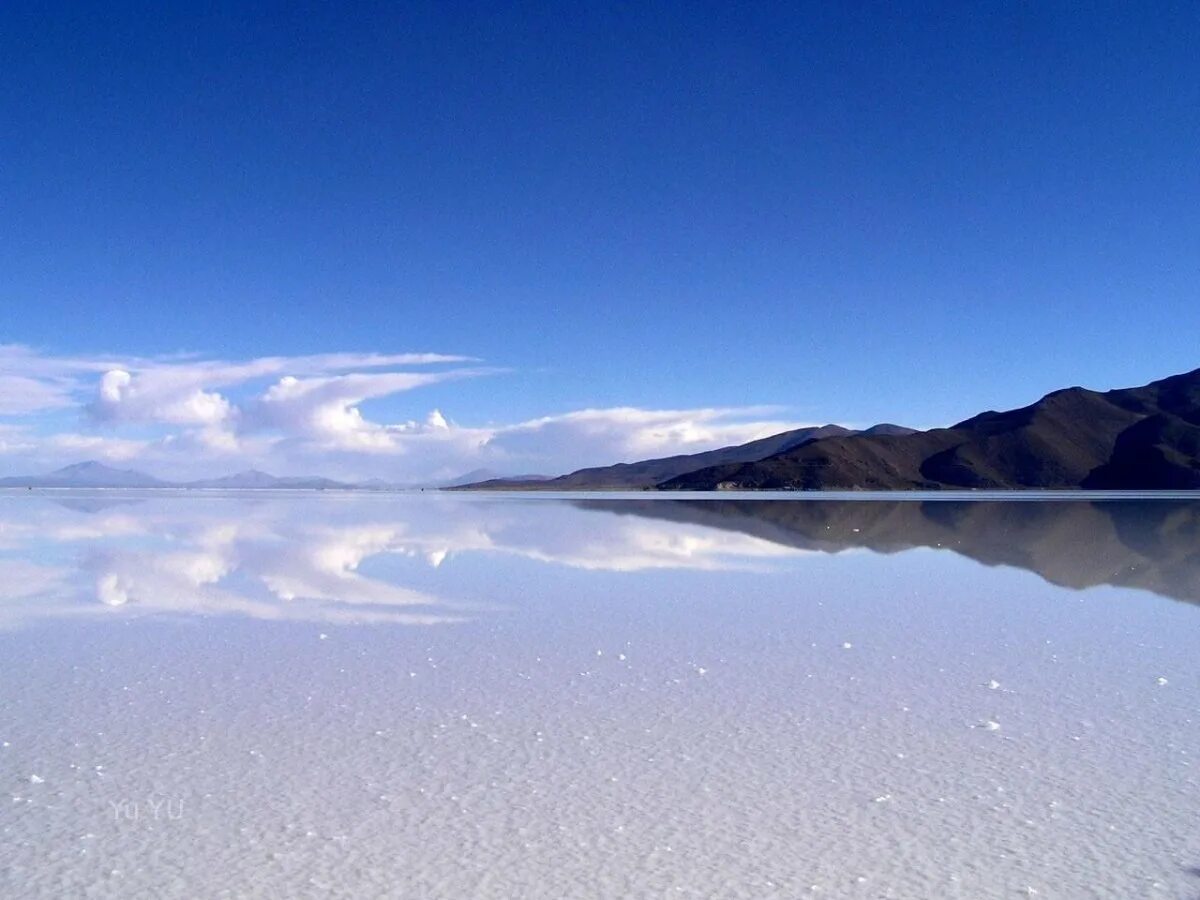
x=499 y=696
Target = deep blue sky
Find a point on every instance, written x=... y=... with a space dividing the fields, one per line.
x=862 y=212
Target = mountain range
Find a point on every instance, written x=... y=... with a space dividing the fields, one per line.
x=650 y=472
x=1143 y=438
x=93 y=474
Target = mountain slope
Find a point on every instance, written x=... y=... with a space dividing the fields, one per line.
x=1134 y=438
x=85 y=474
x=649 y=472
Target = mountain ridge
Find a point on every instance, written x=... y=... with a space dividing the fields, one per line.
x=647 y=473
x=1141 y=438
x=94 y=474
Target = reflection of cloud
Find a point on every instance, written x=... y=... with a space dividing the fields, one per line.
x=300 y=574
x=21 y=579
x=237 y=558
x=311 y=558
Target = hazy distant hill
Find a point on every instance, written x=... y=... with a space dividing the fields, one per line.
x=1135 y=438
x=650 y=472
x=254 y=479
x=97 y=475
x=85 y=474
x=486 y=475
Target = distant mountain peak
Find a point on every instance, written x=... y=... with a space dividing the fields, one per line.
x=89 y=473
x=88 y=465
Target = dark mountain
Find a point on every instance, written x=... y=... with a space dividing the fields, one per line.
x=650 y=472
x=1145 y=438
x=472 y=477
x=83 y=475
x=1152 y=545
x=888 y=428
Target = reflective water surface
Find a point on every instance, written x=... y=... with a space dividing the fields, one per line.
x=228 y=695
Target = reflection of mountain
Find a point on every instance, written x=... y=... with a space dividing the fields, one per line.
x=1153 y=545
x=94 y=505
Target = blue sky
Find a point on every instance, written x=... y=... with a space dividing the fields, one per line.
x=822 y=212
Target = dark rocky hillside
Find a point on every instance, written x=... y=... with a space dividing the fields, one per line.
x=1145 y=438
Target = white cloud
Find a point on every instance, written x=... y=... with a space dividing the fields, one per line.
x=173 y=390
x=185 y=416
x=160 y=395
x=95 y=446
x=182 y=393
x=327 y=409
x=20 y=394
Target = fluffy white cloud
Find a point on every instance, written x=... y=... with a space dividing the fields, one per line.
x=185 y=416
x=327 y=409
x=172 y=390
x=182 y=393
x=158 y=396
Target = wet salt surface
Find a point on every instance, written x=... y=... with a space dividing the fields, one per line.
x=430 y=696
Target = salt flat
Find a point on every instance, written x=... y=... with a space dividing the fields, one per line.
x=244 y=695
